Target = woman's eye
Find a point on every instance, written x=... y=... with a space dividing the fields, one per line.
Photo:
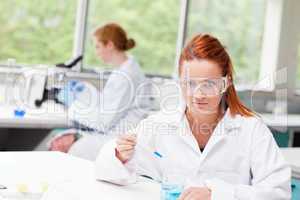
x=211 y=83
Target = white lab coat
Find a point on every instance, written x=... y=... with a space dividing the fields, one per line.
x=120 y=106
x=240 y=161
x=120 y=101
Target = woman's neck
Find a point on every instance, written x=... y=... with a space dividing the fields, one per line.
x=118 y=58
x=203 y=125
x=203 y=118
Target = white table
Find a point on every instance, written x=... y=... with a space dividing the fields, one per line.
x=74 y=178
x=53 y=115
x=284 y=121
x=71 y=178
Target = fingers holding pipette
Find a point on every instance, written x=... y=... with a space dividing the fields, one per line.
x=125 y=147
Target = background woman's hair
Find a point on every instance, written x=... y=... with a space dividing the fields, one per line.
x=205 y=46
x=116 y=34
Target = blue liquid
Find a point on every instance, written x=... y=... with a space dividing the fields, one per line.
x=170 y=192
x=19 y=113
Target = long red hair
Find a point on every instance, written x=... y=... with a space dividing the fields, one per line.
x=205 y=46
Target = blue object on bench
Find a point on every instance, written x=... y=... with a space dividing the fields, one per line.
x=67 y=95
x=295 y=189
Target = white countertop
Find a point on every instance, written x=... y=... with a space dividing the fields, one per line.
x=288 y=121
x=51 y=115
x=69 y=178
x=72 y=178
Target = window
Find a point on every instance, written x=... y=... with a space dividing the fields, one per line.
x=153 y=25
x=239 y=25
x=35 y=31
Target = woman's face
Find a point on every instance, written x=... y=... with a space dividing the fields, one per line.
x=201 y=81
x=104 y=52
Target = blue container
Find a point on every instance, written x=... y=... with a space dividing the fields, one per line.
x=19 y=113
x=170 y=192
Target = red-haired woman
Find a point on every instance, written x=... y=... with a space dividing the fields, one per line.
x=224 y=149
x=117 y=109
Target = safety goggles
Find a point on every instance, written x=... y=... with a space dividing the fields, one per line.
x=206 y=86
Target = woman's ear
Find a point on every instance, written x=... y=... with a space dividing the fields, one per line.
x=110 y=45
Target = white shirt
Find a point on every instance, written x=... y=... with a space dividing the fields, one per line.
x=117 y=103
x=240 y=161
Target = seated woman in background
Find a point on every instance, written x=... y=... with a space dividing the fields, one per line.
x=116 y=105
x=223 y=150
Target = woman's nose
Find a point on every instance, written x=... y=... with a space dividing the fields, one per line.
x=198 y=93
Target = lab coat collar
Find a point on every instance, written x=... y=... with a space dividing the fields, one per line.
x=227 y=126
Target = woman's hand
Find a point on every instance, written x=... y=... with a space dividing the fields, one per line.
x=125 y=147
x=63 y=143
x=196 y=193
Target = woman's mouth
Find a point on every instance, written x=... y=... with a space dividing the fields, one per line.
x=200 y=104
